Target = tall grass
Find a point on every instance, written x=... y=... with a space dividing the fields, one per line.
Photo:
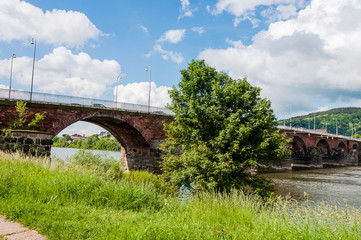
x=71 y=202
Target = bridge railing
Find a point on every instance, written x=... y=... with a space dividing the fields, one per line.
x=79 y=101
x=317 y=131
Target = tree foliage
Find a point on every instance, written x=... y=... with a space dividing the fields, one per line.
x=223 y=129
x=93 y=142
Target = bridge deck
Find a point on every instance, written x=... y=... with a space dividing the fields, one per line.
x=15 y=95
x=316 y=132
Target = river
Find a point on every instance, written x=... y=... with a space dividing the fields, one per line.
x=64 y=153
x=327 y=185
x=321 y=185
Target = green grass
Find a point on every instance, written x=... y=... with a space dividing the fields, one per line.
x=78 y=201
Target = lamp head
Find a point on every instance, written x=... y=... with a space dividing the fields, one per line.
x=32 y=41
x=13 y=56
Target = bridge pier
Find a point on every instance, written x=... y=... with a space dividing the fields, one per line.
x=29 y=142
x=142 y=158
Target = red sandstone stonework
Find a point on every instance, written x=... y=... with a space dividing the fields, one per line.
x=139 y=133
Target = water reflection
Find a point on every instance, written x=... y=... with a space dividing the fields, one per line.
x=328 y=185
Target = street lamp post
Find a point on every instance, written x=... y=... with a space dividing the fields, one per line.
x=33 y=42
x=314 y=122
x=150 y=80
x=11 y=72
x=290 y=115
x=116 y=90
x=308 y=123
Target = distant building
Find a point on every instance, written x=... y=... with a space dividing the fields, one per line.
x=77 y=136
x=103 y=134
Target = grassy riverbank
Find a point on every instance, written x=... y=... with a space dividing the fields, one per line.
x=82 y=201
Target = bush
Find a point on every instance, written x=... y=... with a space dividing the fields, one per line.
x=144 y=177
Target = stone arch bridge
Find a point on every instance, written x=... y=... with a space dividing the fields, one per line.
x=318 y=149
x=140 y=134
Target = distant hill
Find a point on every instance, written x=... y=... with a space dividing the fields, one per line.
x=346 y=119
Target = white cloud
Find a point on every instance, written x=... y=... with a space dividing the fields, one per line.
x=167 y=55
x=286 y=11
x=20 y=20
x=64 y=72
x=82 y=128
x=185 y=11
x=137 y=93
x=173 y=36
x=143 y=28
x=199 y=30
x=281 y=12
x=245 y=9
x=311 y=58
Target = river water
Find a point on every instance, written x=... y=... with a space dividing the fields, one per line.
x=328 y=185
x=332 y=185
x=64 y=153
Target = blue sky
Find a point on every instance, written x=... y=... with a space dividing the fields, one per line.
x=304 y=54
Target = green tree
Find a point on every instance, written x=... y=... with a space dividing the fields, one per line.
x=90 y=142
x=108 y=144
x=224 y=129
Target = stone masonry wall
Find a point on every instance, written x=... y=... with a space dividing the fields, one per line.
x=30 y=142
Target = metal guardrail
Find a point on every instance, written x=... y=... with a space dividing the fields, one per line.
x=79 y=101
x=319 y=132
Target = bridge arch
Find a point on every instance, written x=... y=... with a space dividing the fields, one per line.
x=122 y=129
x=342 y=146
x=298 y=146
x=324 y=146
x=138 y=134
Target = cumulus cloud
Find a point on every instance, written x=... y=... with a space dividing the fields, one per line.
x=311 y=58
x=173 y=36
x=245 y=9
x=20 y=20
x=137 y=93
x=61 y=71
x=168 y=55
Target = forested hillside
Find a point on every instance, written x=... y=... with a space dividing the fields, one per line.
x=346 y=118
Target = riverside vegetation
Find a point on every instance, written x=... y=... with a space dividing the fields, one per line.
x=93 y=142
x=86 y=198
